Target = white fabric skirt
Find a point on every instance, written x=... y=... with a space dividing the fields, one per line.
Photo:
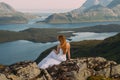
x=52 y=59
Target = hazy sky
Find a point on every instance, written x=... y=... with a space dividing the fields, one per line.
x=44 y=5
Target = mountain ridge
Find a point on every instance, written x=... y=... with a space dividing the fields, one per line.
x=8 y=15
x=6 y=8
x=94 y=13
x=114 y=3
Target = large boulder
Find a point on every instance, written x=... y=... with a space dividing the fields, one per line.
x=20 y=71
x=82 y=68
x=3 y=77
x=85 y=68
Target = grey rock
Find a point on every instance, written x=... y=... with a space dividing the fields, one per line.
x=29 y=72
x=21 y=71
x=81 y=69
x=3 y=77
x=75 y=69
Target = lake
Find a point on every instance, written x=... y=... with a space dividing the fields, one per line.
x=12 y=52
x=31 y=24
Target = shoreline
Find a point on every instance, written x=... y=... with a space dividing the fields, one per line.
x=36 y=34
x=44 y=22
x=22 y=48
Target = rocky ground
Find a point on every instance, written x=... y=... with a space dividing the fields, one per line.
x=76 y=69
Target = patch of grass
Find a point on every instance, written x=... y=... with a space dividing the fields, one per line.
x=108 y=48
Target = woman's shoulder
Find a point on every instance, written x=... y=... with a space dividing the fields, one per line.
x=68 y=44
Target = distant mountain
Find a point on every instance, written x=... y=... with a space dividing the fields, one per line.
x=115 y=6
x=94 y=11
x=58 y=18
x=114 y=3
x=105 y=2
x=5 y=8
x=99 y=13
x=90 y=3
x=92 y=14
x=9 y=15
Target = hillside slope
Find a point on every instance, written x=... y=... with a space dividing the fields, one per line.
x=9 y=15
x=108 y=48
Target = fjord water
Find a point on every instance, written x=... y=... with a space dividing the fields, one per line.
x=19 y=27
x=11 y=52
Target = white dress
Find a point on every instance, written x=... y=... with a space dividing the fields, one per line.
x=52 y=59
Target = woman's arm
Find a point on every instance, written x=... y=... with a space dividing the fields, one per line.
x=58 y=49
x=69 y=55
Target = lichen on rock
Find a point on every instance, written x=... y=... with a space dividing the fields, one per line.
x=85 y=68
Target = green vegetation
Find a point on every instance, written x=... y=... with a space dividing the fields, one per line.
x=108 y=48
x=36 y=34
x=83 y=48
x=33 y=34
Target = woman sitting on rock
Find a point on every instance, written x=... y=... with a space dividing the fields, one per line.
x=56 y=56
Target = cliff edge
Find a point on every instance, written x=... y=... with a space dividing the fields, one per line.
x=86 y=68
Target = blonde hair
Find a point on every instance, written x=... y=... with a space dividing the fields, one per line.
x=63 y=43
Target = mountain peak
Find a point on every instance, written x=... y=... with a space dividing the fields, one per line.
x=90 y=3
x=6 y=8
x=2 y=3
x=114 y=3
x=97 y=2
x=95 y=7
x=9 y=15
